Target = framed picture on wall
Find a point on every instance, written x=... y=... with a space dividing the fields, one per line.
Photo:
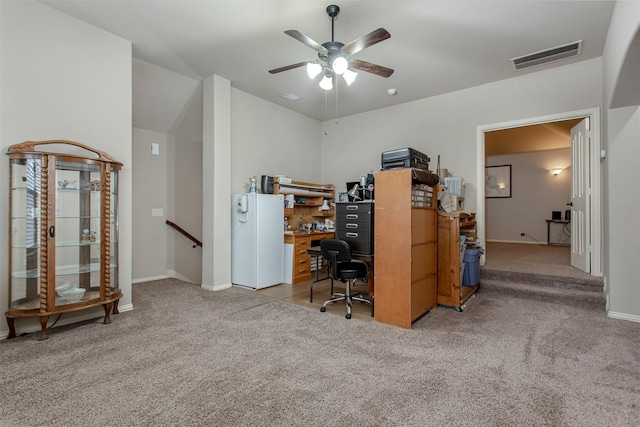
x=497 y=181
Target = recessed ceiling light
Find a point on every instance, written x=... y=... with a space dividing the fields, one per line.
x=392 y=91
x=290 y=96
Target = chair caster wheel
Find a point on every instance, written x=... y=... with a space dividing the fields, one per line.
x=323 y=309
x=348 y=316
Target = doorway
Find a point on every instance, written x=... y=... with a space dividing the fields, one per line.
x=555 y=121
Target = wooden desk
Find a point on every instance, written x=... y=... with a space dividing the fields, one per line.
x=564 y=222
x=299 y=262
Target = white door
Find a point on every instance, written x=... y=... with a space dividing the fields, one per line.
x=580 y=194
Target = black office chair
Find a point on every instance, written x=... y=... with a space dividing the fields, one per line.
x=345 y=269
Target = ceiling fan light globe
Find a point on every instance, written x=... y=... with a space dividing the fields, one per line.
x=313 y=69
x=326 y=83
x=339 y=65
x=349 y=76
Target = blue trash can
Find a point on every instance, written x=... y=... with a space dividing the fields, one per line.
x=471 y=276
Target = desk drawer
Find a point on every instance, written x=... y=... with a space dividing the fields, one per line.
x=364 y=218
x=302 y=269
x=358 y=208
x=301 y=260
x=358 y=227
x=302 y=242
x=300 y=252
x=359 y=241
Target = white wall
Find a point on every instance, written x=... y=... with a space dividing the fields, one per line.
x=167 y=110
x=216 y=188
x=623 y=267
x=534 y=194
x=166 y=102
x=447 y=124
x=171 y=181
x=245 y=136
x=63 y=79
x=622 y=127
x=270 y=140
x=266 y=139
x=622 y=56
x=150 y=190
x=184 y=207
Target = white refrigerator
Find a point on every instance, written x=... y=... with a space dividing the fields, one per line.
x=257 y=240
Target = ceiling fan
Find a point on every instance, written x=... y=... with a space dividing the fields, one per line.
x=336 y=57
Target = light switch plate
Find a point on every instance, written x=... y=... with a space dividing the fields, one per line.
x=155 y=149
x=157 y=212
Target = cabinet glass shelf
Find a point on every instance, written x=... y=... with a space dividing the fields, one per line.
x=59 y=301
x=64 y=270
x=64 y=244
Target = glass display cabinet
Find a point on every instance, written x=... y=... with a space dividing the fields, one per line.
x=63 y=243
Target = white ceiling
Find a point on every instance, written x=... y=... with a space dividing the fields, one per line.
x=435 y=46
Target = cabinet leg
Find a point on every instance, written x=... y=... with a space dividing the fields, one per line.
x=11 y=321
x=107 y=310
x=115 y=307
x=43 y=328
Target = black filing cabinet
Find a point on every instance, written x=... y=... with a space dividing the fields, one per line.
x=354 y=224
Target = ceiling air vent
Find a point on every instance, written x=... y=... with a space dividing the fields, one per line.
x=291 y=96
x=548 y=55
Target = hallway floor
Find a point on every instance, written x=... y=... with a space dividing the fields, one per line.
x=532 y=258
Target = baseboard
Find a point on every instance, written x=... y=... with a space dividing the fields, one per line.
x=125 y=307
x=176 y=275
x=149 y=279
x=624 y=316
x=515 y=241
x=170 y=274
x=216 y=287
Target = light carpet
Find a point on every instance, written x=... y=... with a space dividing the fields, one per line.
x=190 y=357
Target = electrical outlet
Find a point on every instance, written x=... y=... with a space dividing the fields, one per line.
x=156 y=212
x=523 y=234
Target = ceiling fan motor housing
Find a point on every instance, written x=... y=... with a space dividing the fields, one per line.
x=334 y=51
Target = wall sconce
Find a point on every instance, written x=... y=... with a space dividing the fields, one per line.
x=556 y=171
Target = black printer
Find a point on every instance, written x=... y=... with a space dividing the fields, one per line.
x=404 y=158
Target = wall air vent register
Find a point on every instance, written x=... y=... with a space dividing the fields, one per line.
x=548 y=55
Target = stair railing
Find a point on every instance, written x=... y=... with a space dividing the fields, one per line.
x=185 y=233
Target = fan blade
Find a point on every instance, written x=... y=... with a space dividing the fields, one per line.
x=306 y=40
x=288 y=67
x=378 y=70
x=365 y=41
